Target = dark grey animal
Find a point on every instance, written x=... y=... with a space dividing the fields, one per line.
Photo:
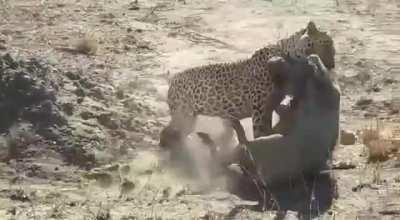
x=310 y=133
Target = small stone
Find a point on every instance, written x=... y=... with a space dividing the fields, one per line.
x=106 y=120
x=343 y=165
x=120 y=94
x=291 y=215
x=72 y=76
x=127 y=47
x=97 y=93
x=360 y=63
x=347 y=137
x=86 y=115
x=79 y=91
x=364 y=101
x=394 y=111
x=79 y=100
x=370 y=115
x=86 y=83
x=133 y=7
x=374 y=88
x=389 y=81
x=68 y=108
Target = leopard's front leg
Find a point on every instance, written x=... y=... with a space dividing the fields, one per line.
x=261 y=123
x=262 y=113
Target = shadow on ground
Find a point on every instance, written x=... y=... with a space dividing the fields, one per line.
x=309 y=197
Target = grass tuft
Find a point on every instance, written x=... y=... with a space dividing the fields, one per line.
x=88 y=44
x=381 y=141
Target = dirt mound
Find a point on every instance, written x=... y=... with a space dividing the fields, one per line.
x=28 y=91
x=29 y=108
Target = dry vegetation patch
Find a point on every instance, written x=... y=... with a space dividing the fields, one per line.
x=382 y=141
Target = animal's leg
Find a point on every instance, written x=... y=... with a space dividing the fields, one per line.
x=226 y=139
x=262 y=123
x=180 y=126
x=287 y=117
x=206 y=139
x=229 y=125
x=241 y=134
x=184 y=122
x=262 y=115
x=223 y=158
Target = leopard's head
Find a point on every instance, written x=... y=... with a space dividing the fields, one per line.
x=314 y=41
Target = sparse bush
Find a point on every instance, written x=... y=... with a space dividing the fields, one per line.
x=369 y=135
x=379 y=150
x=381 y=142
x=19 y=137
x=88 y=44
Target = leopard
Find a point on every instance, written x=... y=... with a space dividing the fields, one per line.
x=241 y=89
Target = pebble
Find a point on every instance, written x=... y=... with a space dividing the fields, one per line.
x=347 y=137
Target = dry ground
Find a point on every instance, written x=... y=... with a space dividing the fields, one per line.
x=138 y=43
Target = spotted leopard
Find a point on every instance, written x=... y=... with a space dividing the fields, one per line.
x=240 y=89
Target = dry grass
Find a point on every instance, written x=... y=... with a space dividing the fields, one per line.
x=88 y=44
x=382 y=142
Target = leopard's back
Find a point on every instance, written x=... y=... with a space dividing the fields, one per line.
x=225 y=90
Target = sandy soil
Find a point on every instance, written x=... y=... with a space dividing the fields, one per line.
x=125 y=84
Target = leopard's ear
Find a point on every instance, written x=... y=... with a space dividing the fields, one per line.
x=311 y=28
x=278 y=68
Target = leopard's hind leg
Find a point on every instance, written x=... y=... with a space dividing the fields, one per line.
x=227 y=137
x=180 y=126
x=231 y=125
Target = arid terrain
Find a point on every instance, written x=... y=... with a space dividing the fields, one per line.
x=83 y=87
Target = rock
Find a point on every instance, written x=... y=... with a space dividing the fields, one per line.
x=106 y=120
x=133 y=6
x=120 y=94
x=363 y=102
x=79 y=91
x=85 y=115
x=73 y=76
x=388 y=81
x=343 y=165
x=97 y=93
x=347 y=137
x=370 y=115
x=68 y=108
x=76 y=155
x=28 y=92
x=50 y=133
x=394 y=111
x=392 y=106
x=3 y=148
x=86 y=83
x=79 y=100
x=374 y=88
x=291 y=215
x=360 y=63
